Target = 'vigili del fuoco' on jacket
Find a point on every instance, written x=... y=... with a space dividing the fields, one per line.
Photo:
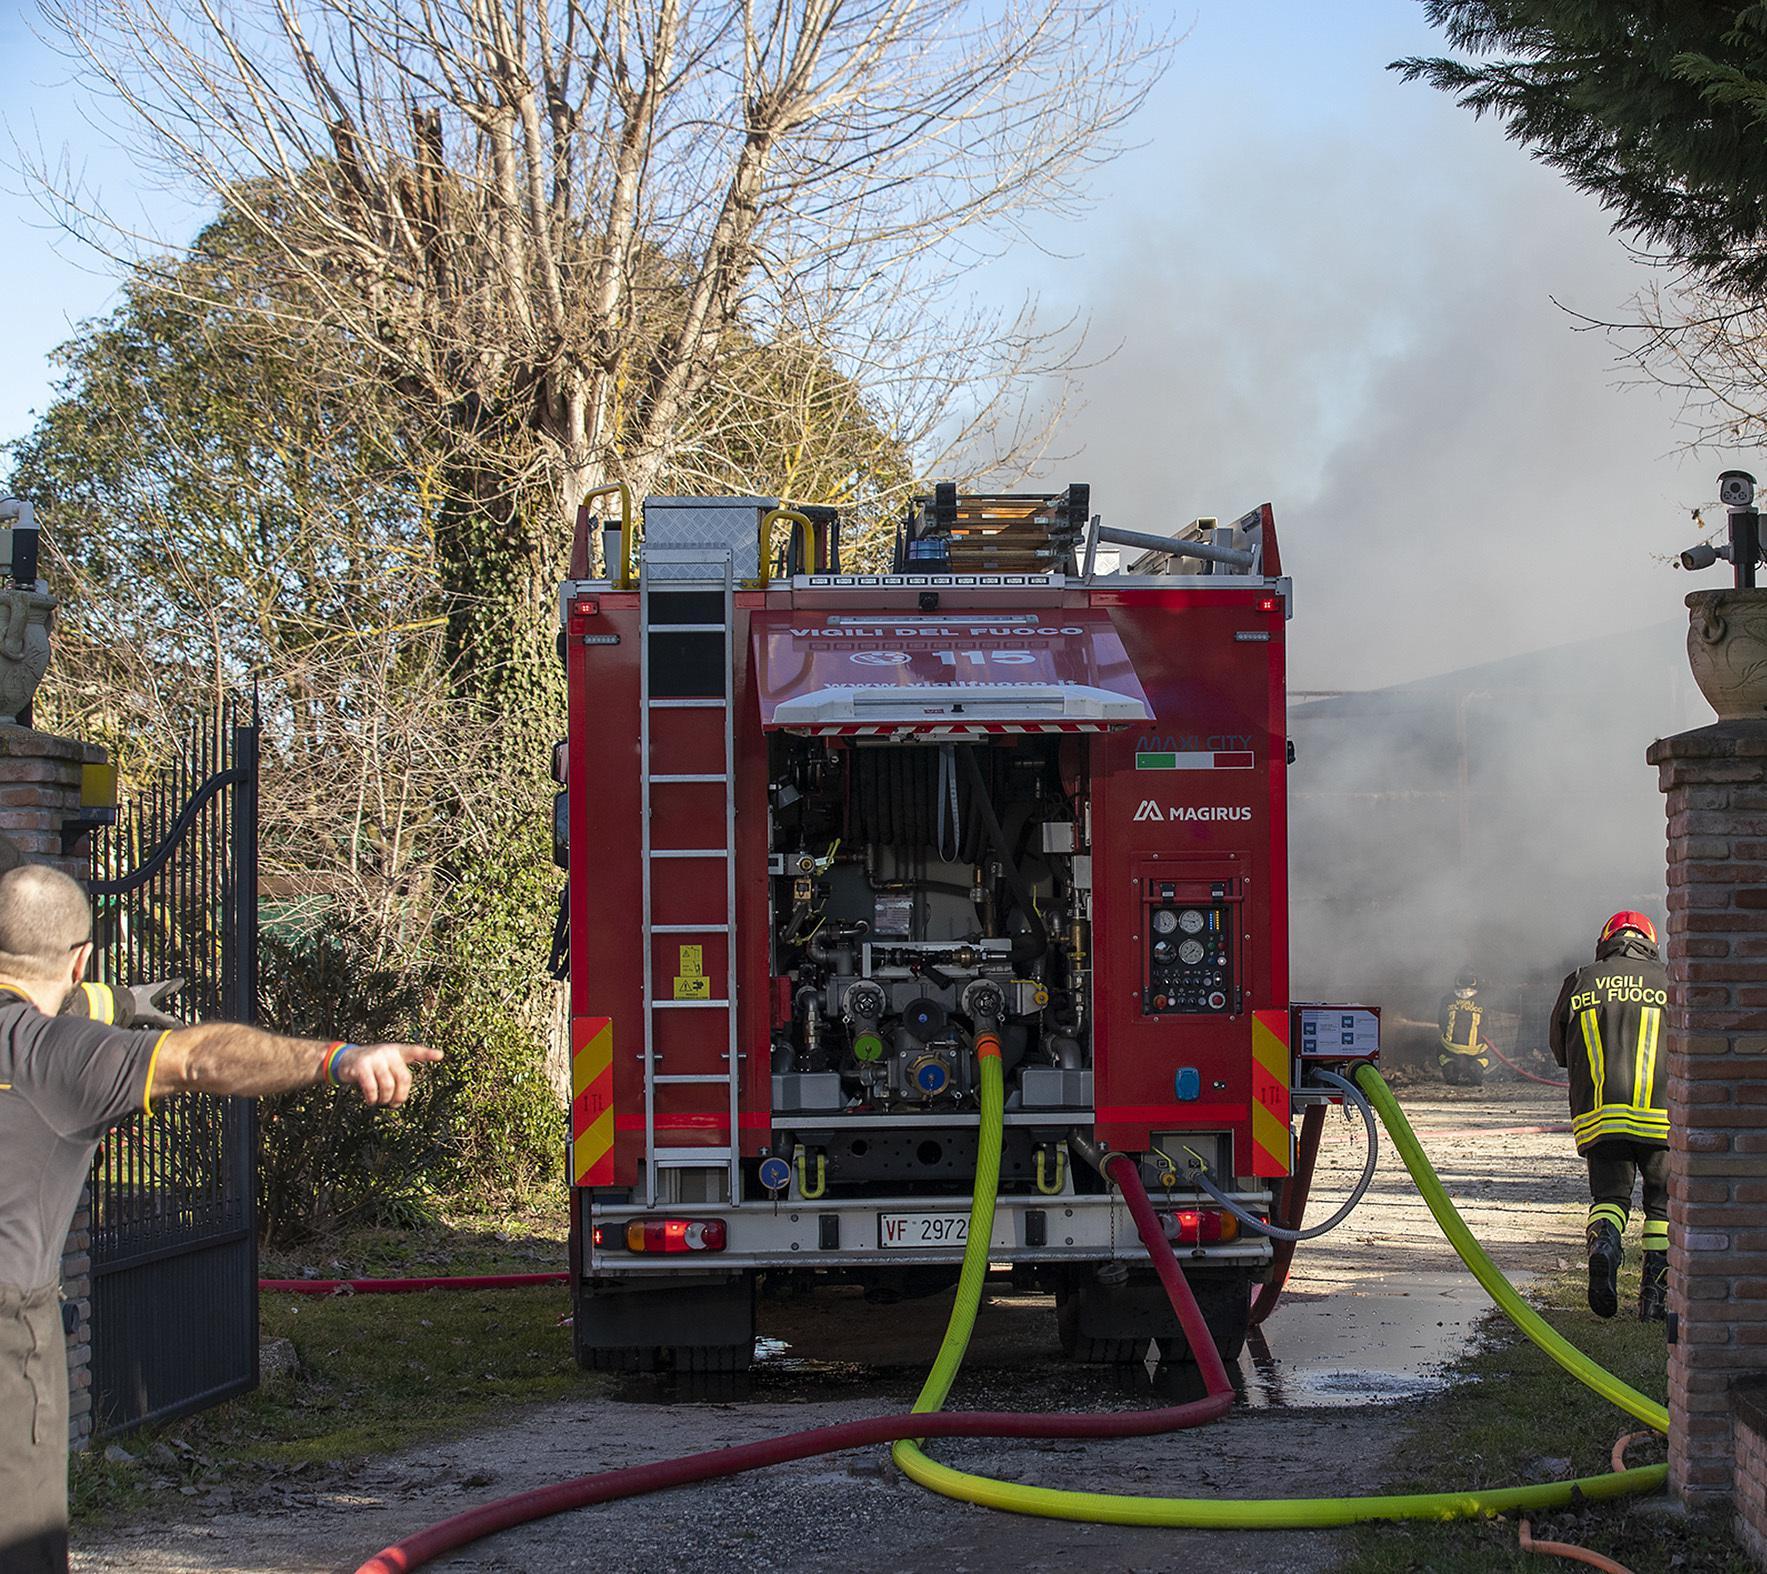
x=1607 y=1033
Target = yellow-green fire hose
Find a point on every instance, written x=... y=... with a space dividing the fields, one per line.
x=1263 y=1513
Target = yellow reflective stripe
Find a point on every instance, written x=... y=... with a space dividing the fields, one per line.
x=1622 y=1112
x=101 y=1003
x=1622 y=1115
x=1611 y=1212
x=1645 y=1057
x=153 y=1061
x=1615 y=1124
x=1592 y=1046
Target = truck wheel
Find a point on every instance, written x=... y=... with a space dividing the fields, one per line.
x=701 y=1329
x=1110 y=1324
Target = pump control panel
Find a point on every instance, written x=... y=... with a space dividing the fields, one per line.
x=1189 y=956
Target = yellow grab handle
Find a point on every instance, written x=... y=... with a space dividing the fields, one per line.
x=791 y=516
x=623 y=581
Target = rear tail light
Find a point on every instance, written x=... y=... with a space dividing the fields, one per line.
x=675 y=1235
x=1200 y=1227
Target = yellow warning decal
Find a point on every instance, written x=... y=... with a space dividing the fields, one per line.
x=692 y=962
x=693 y=988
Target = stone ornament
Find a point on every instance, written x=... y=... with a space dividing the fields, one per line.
x=1727 y=650
x=26 y=619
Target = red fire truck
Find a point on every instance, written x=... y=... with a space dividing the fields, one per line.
x=818 y=823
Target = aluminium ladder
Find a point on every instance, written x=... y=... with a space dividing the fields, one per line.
x=703 y=569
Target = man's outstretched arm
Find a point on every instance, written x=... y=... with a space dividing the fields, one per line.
x=226 y=1057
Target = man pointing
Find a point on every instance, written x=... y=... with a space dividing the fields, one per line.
x=63 y=1081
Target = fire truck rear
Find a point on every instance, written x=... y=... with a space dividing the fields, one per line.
x=826 y=830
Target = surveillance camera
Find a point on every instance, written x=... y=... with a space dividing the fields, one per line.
x=1736 y=489
x=1702 y=554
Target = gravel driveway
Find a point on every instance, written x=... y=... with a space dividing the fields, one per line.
x=1373 y=1310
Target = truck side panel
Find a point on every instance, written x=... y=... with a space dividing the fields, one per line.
x=1188 y=814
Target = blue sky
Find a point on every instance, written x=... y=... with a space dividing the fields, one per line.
x=1311 y=283
x=46 y=283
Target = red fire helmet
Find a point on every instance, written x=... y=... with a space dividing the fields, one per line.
x=1629 y=920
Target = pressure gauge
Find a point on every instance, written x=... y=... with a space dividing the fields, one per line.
x=1164 y=921
x=1190 y=953
x=1190 y=921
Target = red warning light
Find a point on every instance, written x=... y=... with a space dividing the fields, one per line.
x=1200 y=1227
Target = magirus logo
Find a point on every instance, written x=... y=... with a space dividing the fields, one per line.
x=1150 y=810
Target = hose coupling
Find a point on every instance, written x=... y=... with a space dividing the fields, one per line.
x=1095 y=1153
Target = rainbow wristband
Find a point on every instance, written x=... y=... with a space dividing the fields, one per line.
x=332 y=1056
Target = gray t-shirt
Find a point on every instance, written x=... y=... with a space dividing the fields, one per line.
x=63 y=1080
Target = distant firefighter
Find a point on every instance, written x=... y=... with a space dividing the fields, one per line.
x=1462 y=1059
x=1607 y=1032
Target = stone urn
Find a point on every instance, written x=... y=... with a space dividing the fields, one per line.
x=1727 y=649
x=26 y=617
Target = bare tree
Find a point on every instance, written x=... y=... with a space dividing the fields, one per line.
x=1707 y=346
x=665 y=242
x=553 y=218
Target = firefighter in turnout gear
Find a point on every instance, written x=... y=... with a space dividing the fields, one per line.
x=1462 y=1059
x=1607 y=1034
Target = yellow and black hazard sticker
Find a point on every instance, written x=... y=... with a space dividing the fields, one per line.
x=592 y=1102
x=691 y=982
x=1271 y=1072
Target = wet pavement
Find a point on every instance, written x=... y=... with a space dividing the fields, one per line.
x=1373 y=1312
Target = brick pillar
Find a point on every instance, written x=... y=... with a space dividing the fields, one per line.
x=1716 y=782
x=39 y=789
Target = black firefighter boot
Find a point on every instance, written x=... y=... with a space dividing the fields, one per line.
x=1605 y=1252
x=1653 y=1288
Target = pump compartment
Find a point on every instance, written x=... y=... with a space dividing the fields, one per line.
x=823 y=829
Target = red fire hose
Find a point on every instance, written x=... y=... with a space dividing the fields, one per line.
x=636 y=1480
x=483 y=1281
x=1294 y=1207
x=1522 y=1071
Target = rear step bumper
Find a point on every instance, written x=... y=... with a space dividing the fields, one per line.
x=800 y=1234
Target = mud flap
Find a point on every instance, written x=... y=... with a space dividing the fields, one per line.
x=1106 y=1324
x=644 y=1326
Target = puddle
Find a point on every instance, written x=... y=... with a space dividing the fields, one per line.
x=1386 y=1339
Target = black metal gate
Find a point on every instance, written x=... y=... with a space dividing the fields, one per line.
x=174 y=1245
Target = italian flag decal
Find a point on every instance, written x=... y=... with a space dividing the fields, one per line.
x=1203 y=760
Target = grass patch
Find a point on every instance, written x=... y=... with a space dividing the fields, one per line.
x=1514 y=1416
x=378 y=1373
